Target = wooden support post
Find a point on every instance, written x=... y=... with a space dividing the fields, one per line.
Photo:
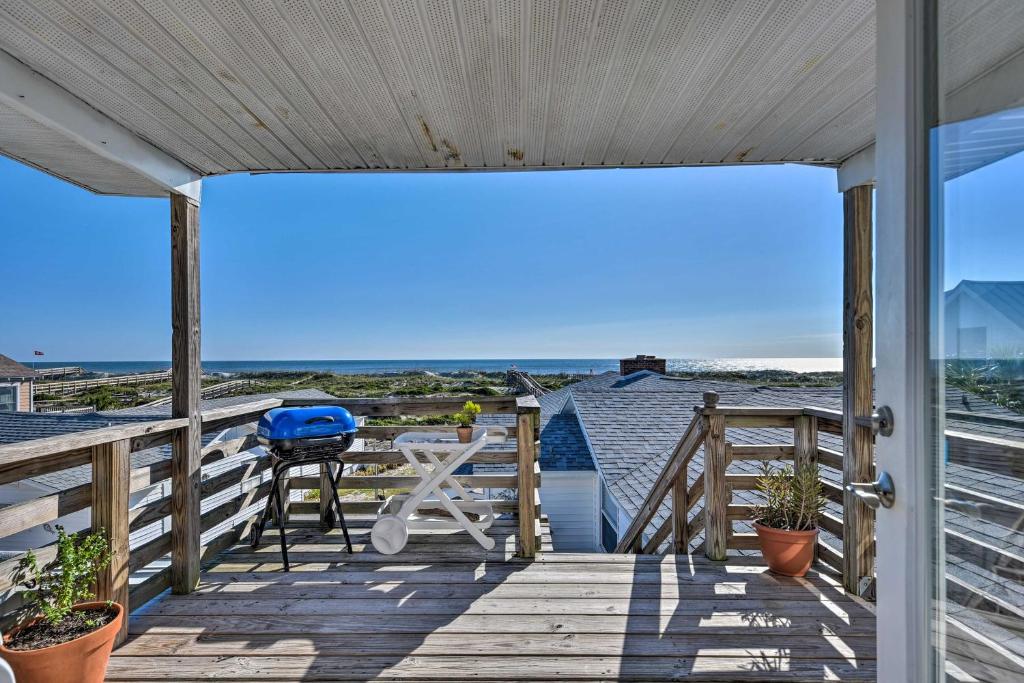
x=680 y=539
x=858 y=312
x=185 y=388
x=111 y=479
x=716 y=494
x=527 y=423
x=805 y=440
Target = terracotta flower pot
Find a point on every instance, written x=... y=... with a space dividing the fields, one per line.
x=465 y=434
x=82 y=660
x=789 y=553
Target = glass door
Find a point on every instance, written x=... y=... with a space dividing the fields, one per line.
x=950 y=339
x=976 y=339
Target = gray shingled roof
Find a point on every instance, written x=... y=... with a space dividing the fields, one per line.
x=1005 y=297
x=12 y=369
x=15 y=427
x=562 y=445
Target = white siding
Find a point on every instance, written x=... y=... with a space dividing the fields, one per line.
x=570 y=501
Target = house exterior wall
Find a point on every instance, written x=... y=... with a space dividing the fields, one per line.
x=974 y=330
x=25 y=397
x=570 y=501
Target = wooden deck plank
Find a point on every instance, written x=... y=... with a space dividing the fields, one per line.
x=470 y=605
x=716 y=623
x=445 y=609
x=706 y=667
x=665 y=590
x=503 y=644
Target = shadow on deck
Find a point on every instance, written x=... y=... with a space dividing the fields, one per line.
x=445 y=609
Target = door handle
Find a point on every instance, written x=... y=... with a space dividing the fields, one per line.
x=879 y=422
x=875 y=494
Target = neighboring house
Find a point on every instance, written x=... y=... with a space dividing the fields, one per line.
x=15 y=427
x=16 y=386
x=984 y=320
x=605 y=441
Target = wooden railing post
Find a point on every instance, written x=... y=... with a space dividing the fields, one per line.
x=805 y=440
x=716 y=495
x=858 y=326
x=111 y=480
x=186 y=459
x=805 y=445
x=680 y=539
x=527 y=424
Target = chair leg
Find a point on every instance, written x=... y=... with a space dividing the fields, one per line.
x=337 y=503
x=280 y=515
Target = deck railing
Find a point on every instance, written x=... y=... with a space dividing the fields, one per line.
x=233 y=486
x=709 y=505
x=714 y=485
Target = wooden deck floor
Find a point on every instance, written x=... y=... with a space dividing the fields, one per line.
x=445 y=609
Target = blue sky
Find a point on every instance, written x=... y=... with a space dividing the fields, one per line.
x=712 y=262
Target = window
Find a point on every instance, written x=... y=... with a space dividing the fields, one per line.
x=609 y=517
x=8 y=397
x=609 y=538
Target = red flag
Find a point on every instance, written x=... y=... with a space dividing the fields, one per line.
x=37 y=353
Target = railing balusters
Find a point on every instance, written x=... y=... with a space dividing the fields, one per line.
x=527 y=423
x=680 y=537
x=111 y=483
x=716 y=494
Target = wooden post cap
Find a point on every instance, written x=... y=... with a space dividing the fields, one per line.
x=710 y=399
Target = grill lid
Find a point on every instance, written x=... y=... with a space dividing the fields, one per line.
x=309 y=422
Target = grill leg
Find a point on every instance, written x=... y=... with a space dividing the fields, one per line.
x=280 y=514
x=337 y=503
x=257 y=531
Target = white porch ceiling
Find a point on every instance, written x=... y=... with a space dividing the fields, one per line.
x=297 y=85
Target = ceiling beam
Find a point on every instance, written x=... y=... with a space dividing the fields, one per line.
x=51 y=106
x=857 y=170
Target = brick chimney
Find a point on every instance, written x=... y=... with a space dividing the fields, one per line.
x=627 y=366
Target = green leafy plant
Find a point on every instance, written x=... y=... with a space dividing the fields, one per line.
x=467 y=416
x=52 y=590
x=793 y=499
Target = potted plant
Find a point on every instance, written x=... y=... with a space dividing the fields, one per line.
x=62 y=636
x=466 y=418
x=787 y=523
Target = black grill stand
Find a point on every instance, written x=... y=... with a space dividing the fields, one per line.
x=280 y=469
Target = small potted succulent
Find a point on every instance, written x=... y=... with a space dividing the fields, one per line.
x=466 y=418
x=62 y=636
x=787 y=523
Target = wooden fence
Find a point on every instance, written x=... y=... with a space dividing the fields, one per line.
x=77 y=386
x=54 y=373
x=108 y=452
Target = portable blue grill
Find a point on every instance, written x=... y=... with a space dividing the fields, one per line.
x=304 y=436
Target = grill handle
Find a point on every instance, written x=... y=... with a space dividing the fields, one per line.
x=319 y=418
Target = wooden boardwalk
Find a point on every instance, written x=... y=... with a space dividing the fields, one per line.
x=444 y=609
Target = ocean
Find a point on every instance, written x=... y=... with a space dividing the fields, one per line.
x=536 y=366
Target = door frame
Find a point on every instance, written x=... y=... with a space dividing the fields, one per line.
x=906 y=580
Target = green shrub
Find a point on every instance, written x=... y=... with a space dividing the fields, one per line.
x=467 y=416
x=793 y=500
x=54 y=589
